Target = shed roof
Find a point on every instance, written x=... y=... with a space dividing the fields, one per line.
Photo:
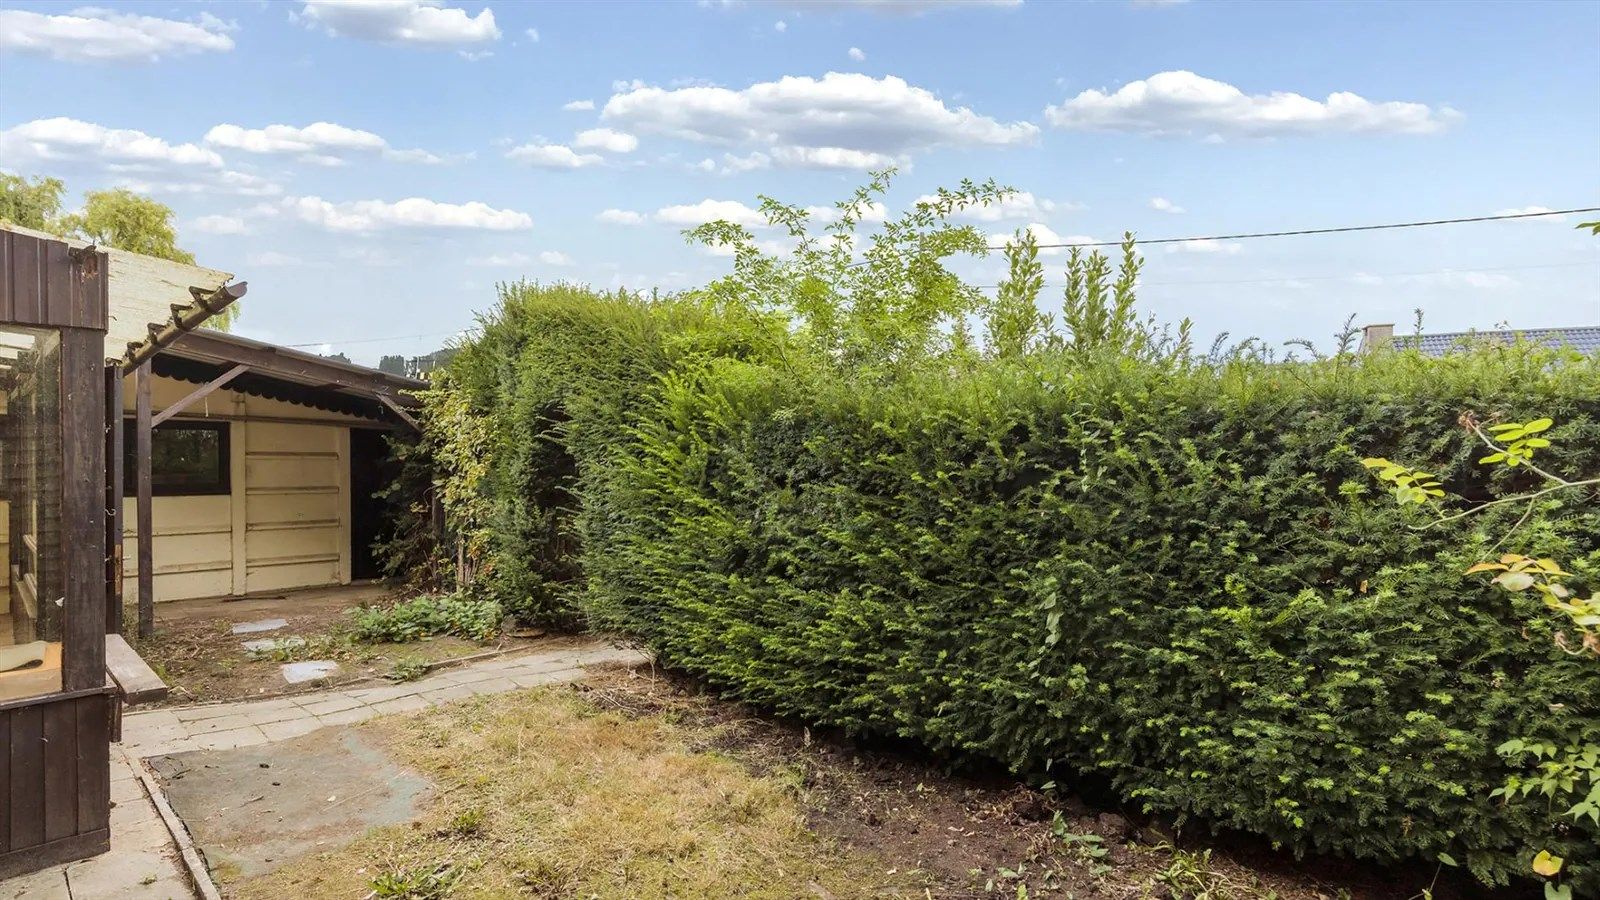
x=1583 y=338
x=145 y=293
x=293 y=376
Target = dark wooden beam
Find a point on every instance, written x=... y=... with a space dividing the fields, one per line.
x=144 y=524
x=400 y=411
x=83 y=494
x=293 y=365
x=114 y=476
x=199 y=393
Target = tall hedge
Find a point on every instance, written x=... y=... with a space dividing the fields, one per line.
x=1177 y=577
x=1183 y=581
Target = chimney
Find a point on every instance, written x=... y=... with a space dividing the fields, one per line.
x=1375 y=336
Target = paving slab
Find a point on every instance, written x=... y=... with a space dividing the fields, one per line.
x=251 y=810
x=265 y=645
x=259 y=626
x=309 y=670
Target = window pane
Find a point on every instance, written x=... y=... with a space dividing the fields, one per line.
x=32 y=580
x=186 y=458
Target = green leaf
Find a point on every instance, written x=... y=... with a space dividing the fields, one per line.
x=1448 y=860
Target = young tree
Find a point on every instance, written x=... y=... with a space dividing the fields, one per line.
x=32 y=204
x=125 y=220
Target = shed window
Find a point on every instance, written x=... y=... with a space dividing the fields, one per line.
x=186 y=459
x=33 y=580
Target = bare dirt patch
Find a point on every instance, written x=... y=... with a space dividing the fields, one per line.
x=984 y=834
x=196 y=652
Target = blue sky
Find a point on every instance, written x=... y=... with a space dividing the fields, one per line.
x=373 y=168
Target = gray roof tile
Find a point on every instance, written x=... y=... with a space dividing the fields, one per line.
x=1583 y=338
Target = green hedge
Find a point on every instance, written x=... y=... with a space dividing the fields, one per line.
x=1182 y=581
x=1179 y=578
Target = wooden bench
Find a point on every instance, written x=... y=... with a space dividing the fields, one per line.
x=134 y=678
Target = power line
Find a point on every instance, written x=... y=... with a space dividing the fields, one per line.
x=398 y=337
x=1353 y=275
x=1340 y=230
x=1345 y=229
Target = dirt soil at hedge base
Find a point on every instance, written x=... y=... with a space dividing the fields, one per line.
x=195 y=651
x=986 y=835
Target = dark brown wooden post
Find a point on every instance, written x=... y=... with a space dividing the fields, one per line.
x=141 y=452
x=114 y=476
x=83 y=479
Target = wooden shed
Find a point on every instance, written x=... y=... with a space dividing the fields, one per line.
x=266 y=465
x=58 y=709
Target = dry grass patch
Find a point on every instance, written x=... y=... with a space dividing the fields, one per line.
x=542 y=794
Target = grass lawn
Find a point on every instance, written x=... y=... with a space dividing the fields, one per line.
x=548 y=794
x=635 y=786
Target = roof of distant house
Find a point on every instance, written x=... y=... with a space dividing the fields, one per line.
x=1583 y=338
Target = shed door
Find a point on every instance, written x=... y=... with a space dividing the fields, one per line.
x=294 y=505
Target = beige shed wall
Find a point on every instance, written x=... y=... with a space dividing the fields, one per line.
x=286 y=522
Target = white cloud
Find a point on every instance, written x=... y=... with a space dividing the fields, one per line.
x=424 y=23
x=1043 y=234
x=606 y=139
x=780 y=26
x=1017 y=205
x=1183 y=103
x=857 y=54
x=552 y=156
x=413 y=212
x=532 y=35
x=1162 y=204
x=324 y=143
x=67 y=140
x=500 y=260
x=621 y=217
x=1208 y=246
x=555 y=258
x=578 y=105
x=272 y=258
x=101 y=35
x=836 y=121
x=710 y=211
x=208 y=182
x=221 y=225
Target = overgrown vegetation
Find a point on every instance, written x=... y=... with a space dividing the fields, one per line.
x=425 y=616
x=1078 y=548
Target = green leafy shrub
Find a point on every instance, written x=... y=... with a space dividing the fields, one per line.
x=425 y=616
x=1181 y=580
x=1091 y=551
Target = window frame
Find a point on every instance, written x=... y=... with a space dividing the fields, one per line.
x=222 y=487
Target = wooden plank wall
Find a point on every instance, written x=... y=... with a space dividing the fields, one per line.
x=55 y=778
x=40 y=284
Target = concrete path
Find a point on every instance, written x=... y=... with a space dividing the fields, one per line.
x=144 y=862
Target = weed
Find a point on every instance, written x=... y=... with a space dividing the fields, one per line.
x=466 y=823
x=428 y=615
x=408 y=668
x=1089 y=848
x=416 y=883
x=1189 y=876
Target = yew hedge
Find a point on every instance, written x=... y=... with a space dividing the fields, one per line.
x=1175 y=576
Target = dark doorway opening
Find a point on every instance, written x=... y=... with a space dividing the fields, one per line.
x=371 y=470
